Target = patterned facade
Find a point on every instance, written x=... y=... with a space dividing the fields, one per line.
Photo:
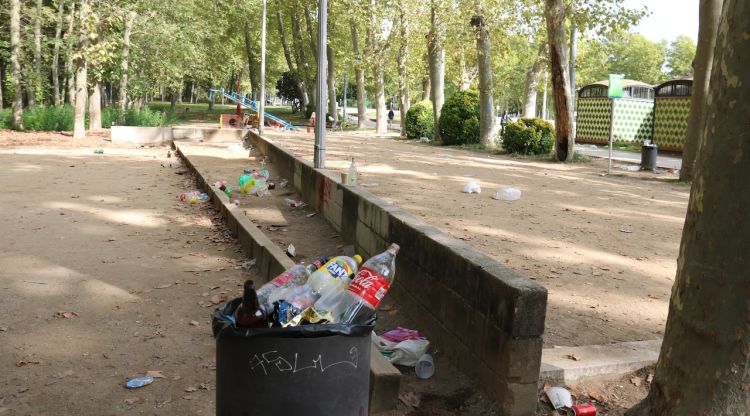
x=633 y=120
x=670 y=122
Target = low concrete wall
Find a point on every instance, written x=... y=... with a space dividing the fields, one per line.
x=206 y=134
x=158 y=136
x=485 y=317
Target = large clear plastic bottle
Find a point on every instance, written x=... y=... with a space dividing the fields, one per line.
x=352 y=173
x=334 y=276
x=368 y=288
x=296 y=276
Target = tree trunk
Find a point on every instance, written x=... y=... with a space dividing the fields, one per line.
x=468 y=75
x=173 y=100
x=211 y=99
x=252 y=63
x=2 y=79
x=69 y=74
x=79 y=119
x=125 y=63
x=288 y=56
x=703 y=367
x=532 y=83
x=35 y=86
x=332 y=105
x=95 y=106
x=426 y=88
x=302 y=67
x=359 y=72
x=310 y=34
x=710 y=13
x=486 y=92
x=381 y=121
x=436 y=52
x=192 y=92
x=56 y=53
x=15 y=62
x=403 y=70
x=558 y=53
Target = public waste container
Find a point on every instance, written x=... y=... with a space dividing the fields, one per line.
x=305 y=370
x=649 y=152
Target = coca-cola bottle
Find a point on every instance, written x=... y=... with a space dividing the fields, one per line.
x=368 y=288
x=250 y=314
x=296 y=276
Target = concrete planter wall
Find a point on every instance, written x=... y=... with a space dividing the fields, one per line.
x=157 y=136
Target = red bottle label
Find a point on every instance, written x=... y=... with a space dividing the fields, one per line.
x=370 y=286
x=282 y=279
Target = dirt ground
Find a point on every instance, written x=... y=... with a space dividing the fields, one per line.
x=604 y=246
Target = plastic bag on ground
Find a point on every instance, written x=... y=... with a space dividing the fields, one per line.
x=507 y=194
x=405 y=352
x=472 y=188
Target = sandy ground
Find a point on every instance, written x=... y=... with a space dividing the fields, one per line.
x=105 y=276
x=605 y=247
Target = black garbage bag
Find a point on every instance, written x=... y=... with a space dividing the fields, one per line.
x=309 y=370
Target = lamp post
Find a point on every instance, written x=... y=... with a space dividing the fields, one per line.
x=321 y=96
x=262 y=100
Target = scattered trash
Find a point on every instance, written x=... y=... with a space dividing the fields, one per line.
x=247 y=265
x=507 y=194
x=248 y=170
x=424 y=140
x=193 y=197
x=228 y=233
x=99 y=151
x=559 y=397
x=409 y=399
x=425 y=367
x=283 y=183
x=471 y=188
x=584 y=409
x=625 y=230
x=311 y=215
x=294 y=203
x=370 y=184
x=629 y=168
x=139 y=382
x=219 y=184
x=64 y=314
x=402 y=346
x=352 y=180
x=236 y=202
x=291 y=251
x=155 y=374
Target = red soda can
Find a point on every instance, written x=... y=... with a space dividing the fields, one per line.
x=585 y=409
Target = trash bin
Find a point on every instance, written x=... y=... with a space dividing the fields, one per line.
x=306 y=370
x=649 y=151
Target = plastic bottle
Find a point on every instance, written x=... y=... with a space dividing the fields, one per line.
x=368 y=288
x=296 y=276
x=352 y=173
x=250 y=314
x=332 y=277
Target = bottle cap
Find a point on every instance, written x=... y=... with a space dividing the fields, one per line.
x=394 y=248
x=357 y=258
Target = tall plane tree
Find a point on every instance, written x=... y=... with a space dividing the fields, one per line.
x=79 y=116
x=703 y=367
x=484 y=62
x=554 y=13
x=436 y=54
x=708 y=26
x=15 y=62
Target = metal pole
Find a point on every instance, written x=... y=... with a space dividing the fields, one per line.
x=572 y=70
x=544 y=99
x=346 y=87
x=321 y=88
x=611 y=133
x=262 y=101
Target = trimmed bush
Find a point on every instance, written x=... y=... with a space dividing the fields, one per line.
x=459 y=119
x=420 y=121
x=528 y=136
x=51 y=118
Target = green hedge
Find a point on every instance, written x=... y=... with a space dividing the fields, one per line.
x=60 y=118
x=528 y=136
x=420 y=121
x=459 y=119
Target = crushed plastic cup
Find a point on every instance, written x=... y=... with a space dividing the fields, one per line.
x=507 y=194
x=139 y=382
x=472 y=188
x=425 y=367
x=559 y=397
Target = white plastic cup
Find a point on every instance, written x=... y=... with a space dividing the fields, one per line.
x=425 y=367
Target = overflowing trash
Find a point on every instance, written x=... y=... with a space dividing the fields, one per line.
x=472 y=188
x=402 y=346
x=507 y=194
x=193 y=197
x=327 y=291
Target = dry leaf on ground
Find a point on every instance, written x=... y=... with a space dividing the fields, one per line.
x=409 y=399
x=155 y=374
x=191 y=389
x=64 y=314
x=593 y=395
x=134 y=400
x=636 y=381
x=574 y=357
x=194 y=323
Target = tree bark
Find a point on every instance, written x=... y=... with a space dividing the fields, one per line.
x=173 y=97
x=710 y=13
x=436 y=50
x=211 y=99
x=56 y=53
x=69 y=75
x=426 y=88
x=288 y=56
x=252 y=63
x=125 y=63
x=555 y=16
x=35 y=86
x=486 y=92
x=79 y=119
x=359 y=72
x=310 y=31
x=532 y=83
x=377 y=49
x=332 y=104
x=95 y=106
x=302 y=66
x=403 y=70
x=15 y=62
x=2 y=78
x=703 y=367
x=468 y=75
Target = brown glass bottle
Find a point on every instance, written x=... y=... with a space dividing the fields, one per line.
x=250 y=314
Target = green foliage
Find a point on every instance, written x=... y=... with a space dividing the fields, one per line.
x=459 y=119
x=133 y=117
x=622 y=53
x=420 y=121
x=287 y=88
x=43 y=118
x=680 y=57
x=528 y=136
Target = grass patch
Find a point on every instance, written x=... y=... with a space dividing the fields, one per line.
x=60 y=118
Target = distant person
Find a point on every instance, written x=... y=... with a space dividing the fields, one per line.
x=391 y=116
x=504 y=122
